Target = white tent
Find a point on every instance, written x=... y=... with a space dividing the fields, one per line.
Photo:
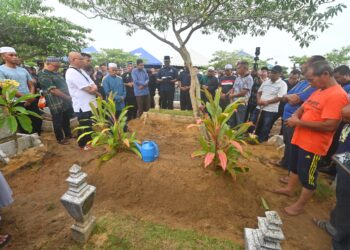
x=197 y=59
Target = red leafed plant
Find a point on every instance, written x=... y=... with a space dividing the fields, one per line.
x=221 y=145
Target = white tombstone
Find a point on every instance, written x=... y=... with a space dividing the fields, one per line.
x=156 y=100
x=78 y=201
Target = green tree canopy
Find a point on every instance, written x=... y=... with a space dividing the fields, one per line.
x=117 y=56
x=220 y=58
x=26 y=26
x=227 y=18
x=336 y=57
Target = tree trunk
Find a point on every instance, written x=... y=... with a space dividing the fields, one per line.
x=195 y=86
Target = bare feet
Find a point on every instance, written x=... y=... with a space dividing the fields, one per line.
x=284 y=179
x=293 y=210
x=283 y=191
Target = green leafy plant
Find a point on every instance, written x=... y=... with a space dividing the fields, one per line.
x=11 y=111
x=108 y=130
x=221 y=145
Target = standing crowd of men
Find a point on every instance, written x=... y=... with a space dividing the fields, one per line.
x=315 y=112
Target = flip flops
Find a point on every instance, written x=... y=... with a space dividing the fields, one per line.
x=7 y=240
x=325 y=226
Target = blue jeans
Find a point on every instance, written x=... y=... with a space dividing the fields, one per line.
x=238 y=116
x=264 y=124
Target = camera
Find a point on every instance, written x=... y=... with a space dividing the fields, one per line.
x=256 y=58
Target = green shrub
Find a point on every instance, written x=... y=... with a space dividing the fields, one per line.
x=108 y=130
x=221 y=145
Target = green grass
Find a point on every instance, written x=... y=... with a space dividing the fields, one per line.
x=117 y=232
x=323 y=191
x=172 y=112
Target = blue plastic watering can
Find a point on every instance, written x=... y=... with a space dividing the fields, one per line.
x=149 y=150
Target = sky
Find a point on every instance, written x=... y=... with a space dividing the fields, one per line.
x=275 y=44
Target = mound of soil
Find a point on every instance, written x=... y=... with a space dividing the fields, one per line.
x=174 y=190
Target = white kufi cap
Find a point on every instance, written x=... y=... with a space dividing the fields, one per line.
x=228 y=66
x=211 y=68
x=7 y=50
x=112 y=65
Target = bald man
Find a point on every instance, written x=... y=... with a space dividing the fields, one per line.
x=83 y=91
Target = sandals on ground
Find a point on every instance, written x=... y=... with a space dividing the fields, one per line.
x=6 y=241
x=325 y=226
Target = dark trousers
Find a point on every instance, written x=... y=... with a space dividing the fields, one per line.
x=287 y=139
x=84 y=119
x=61 y=122
x=36 y=122
x=143 y=104
x=265 y=123
x=326 y=161
x=185 y=100
x=250 y=110
x=167 y=99
x=340 y=216
x=132 y=111
x=152 y=94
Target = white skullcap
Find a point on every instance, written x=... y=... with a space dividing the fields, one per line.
x=112 y=65
x=7 y=50
x=228 y=66
x=211 y=68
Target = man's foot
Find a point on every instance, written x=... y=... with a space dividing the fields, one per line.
x=284 y=179
x=4 y=239
x=292 y=210
x=63 y=142
x=88 y=147
x=283 y=191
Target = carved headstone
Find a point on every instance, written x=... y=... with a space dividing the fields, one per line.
x=78 y=201
x=267 y=236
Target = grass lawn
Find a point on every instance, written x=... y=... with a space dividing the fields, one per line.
x=172 y=112
x=124 y=232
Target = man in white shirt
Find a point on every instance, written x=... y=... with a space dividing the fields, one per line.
x=269 y=96
x=83 y=90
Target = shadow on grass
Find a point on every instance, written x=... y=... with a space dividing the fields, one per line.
x=123 y=232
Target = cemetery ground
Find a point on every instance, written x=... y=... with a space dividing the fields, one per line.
x=172 y=203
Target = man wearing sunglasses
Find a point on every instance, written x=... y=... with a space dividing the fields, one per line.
x=11 y=71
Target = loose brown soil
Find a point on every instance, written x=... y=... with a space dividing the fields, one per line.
x=175 y=190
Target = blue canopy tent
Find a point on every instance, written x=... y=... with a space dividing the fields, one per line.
x=150 y=60
x=89 y=50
